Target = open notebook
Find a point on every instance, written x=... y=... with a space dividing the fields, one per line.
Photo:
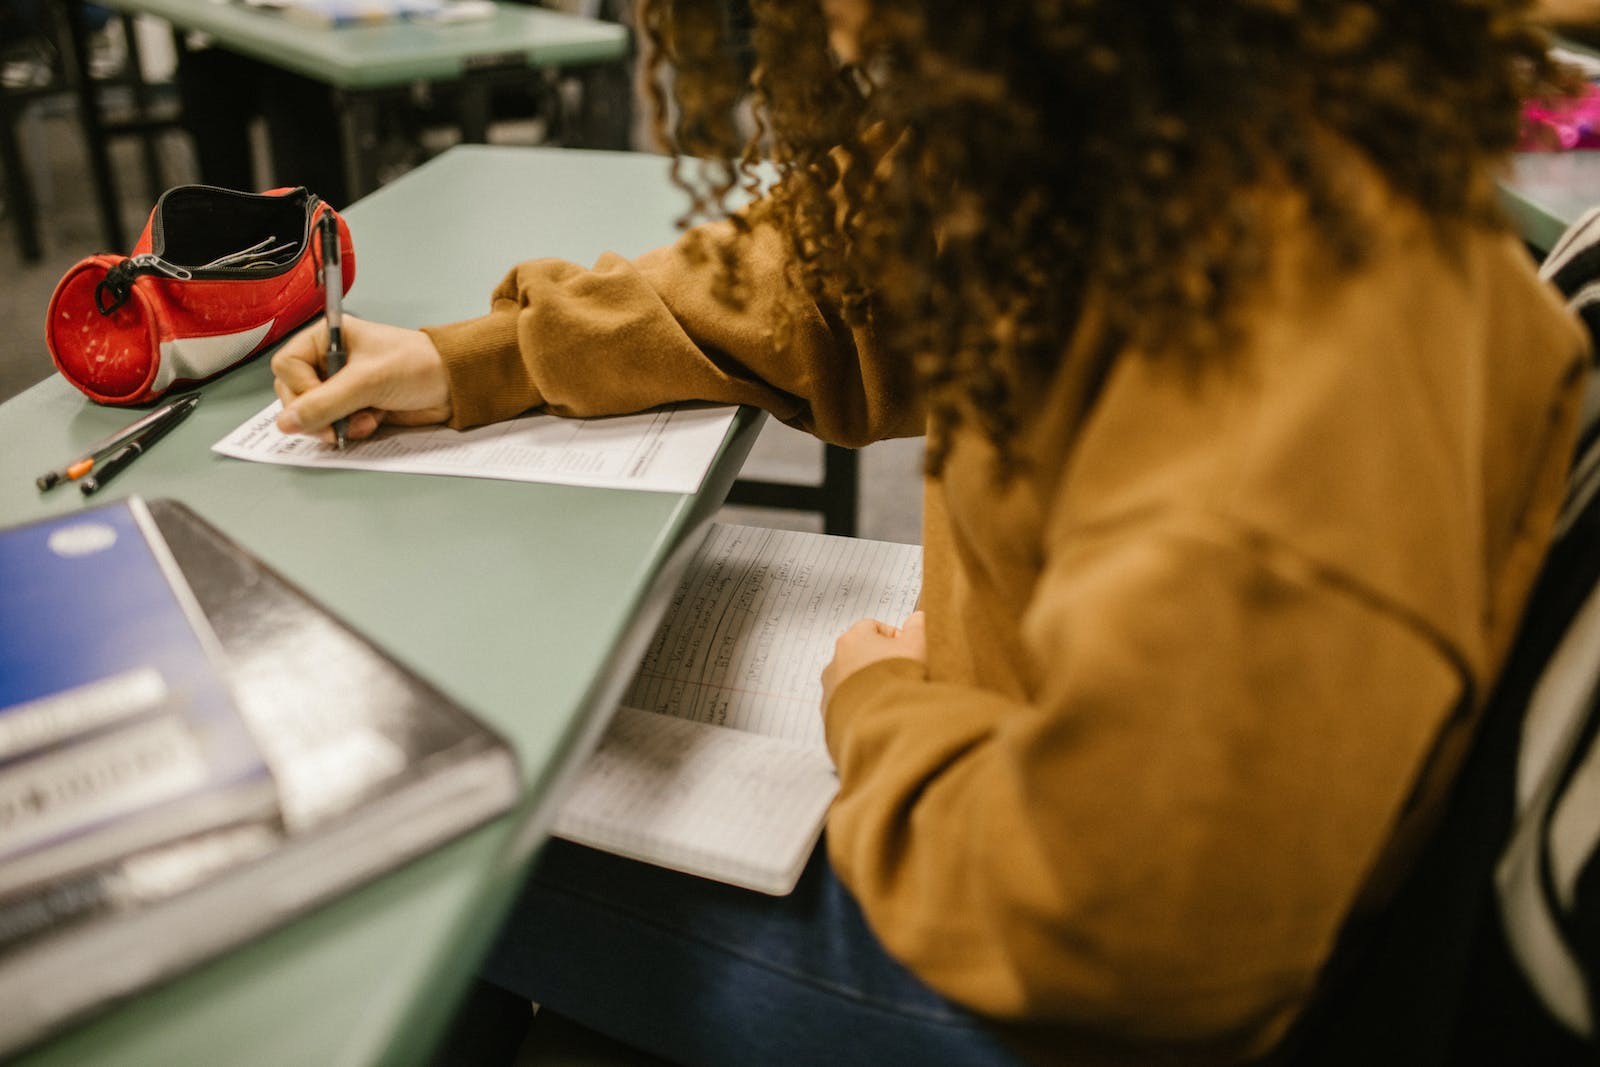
x=715 y=764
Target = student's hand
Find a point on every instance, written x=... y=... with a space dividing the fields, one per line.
x=869 y=641
x=390 y=375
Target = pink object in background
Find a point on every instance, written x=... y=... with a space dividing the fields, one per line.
x=1562 y=125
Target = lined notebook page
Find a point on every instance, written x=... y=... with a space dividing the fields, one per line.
x=715 y=765
x=733 y=806
x=754 y=621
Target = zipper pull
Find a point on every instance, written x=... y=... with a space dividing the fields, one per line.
x=117 y=285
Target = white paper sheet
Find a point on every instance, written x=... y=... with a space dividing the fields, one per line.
x=667 y=450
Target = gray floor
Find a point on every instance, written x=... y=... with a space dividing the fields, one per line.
x=890 y=495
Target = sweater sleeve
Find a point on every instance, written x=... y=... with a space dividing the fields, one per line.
x=626 y=335
x=1160 y=842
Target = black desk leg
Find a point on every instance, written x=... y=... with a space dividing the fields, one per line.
x=94 y=132
x=143 y=120
x=358 y=117
x=836 y=499
x=472 y=111
x=841 y=480
x=19 y=189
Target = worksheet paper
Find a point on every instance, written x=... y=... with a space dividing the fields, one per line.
x=666 y=450
x=716 y=764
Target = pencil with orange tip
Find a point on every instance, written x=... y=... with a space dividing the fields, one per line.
x=98 y=451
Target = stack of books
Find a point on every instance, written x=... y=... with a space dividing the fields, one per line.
x=193 y=751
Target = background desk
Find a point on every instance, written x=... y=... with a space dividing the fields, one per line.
x=360 y=62
x=527 y=603
x=1548 y=191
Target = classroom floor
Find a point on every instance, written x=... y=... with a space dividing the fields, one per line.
x=890 y=491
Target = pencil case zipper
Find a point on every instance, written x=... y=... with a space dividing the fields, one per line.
x=261 y=260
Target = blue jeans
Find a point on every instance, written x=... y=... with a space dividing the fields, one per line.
x=702 y=973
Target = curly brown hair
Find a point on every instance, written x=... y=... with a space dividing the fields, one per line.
x=1045 y=150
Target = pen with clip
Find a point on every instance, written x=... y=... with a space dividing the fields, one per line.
x=333 y=297
x=95 y=453
x=113 y=464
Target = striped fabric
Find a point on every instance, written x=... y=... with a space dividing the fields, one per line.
x=1547 y=881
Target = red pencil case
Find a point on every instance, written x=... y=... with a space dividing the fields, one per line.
x=216 y=277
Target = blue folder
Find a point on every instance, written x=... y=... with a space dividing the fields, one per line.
x=118 y=728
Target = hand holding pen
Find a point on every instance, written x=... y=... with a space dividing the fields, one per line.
x=333 y=297
x=393 y=377
x=342 y=378
x=104 y=459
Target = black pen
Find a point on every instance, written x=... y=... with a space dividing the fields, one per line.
x=112 y=465
x=102 y=448
x=333 y=296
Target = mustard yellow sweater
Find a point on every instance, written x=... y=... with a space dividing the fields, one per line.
x=1196 y=677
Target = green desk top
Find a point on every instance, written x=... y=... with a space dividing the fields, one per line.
x=396 y=53
x=527 y=603
x=1548 y=191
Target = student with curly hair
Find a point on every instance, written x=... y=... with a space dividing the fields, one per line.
x=1247 y=420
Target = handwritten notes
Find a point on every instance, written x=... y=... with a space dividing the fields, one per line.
x=753 y=624
x=715 y=764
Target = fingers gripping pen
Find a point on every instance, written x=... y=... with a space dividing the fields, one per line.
x=333 y=290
